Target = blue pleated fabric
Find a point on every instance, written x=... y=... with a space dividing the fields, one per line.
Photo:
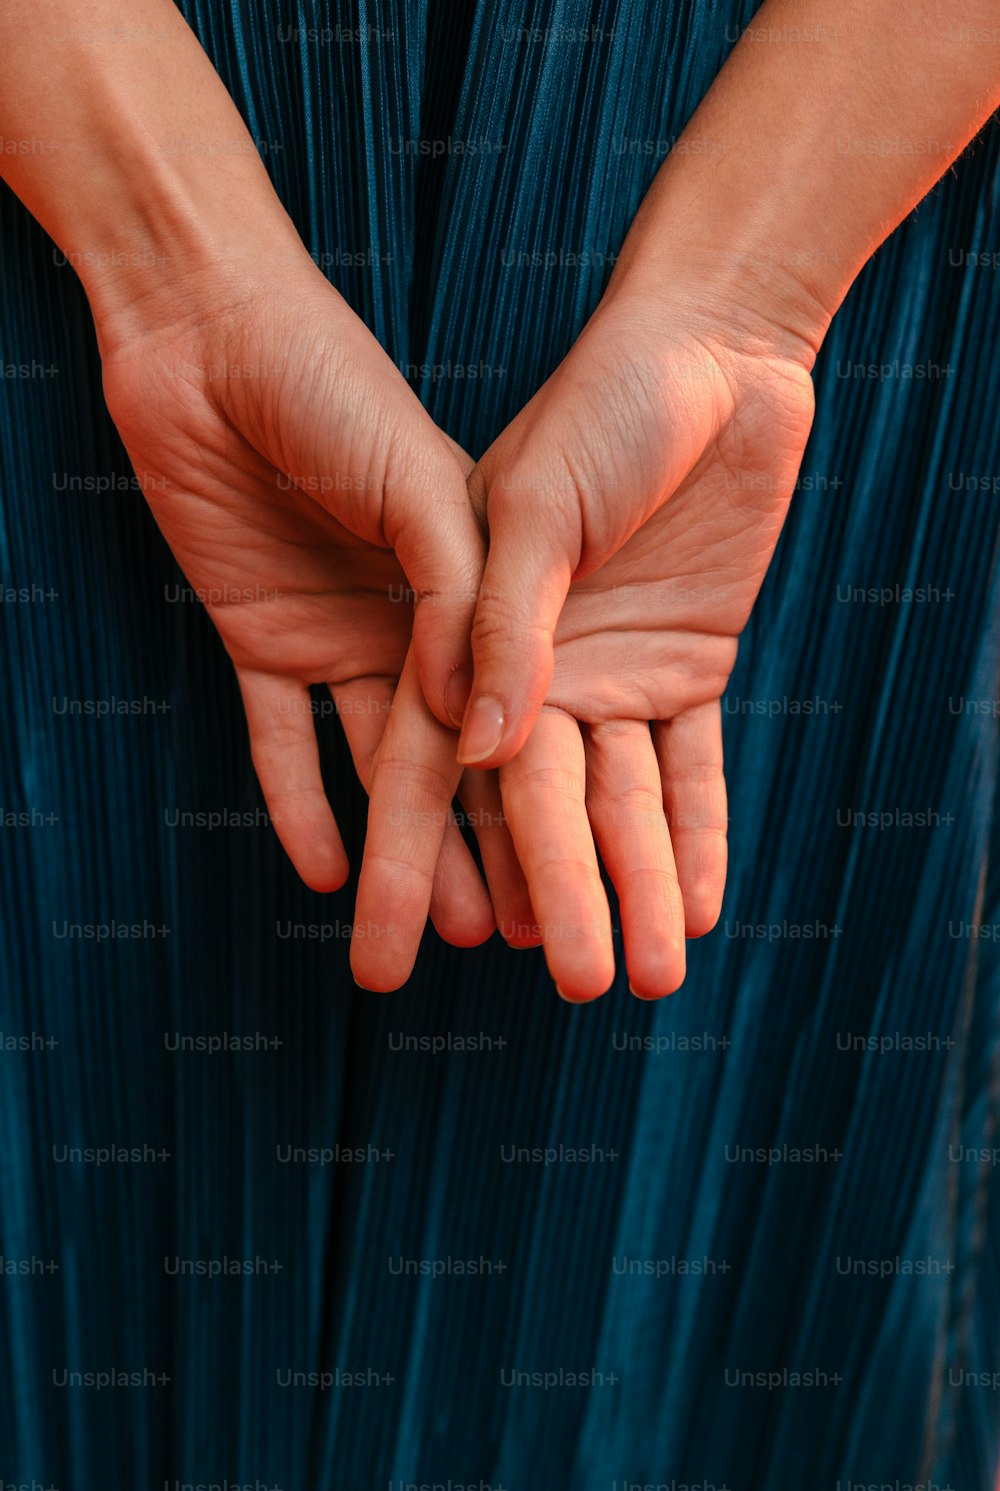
x=774 y=1261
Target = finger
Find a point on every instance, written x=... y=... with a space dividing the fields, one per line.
x=413 y=779
x=689 y=750
x=533 y=551
x=544 y=801
x=626 y=811
x=430 y=525
x=460 y=906
x=461 y=909
x=286 y=759
x=479 y=794
x=363 y=708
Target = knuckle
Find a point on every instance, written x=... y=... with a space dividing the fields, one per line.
x=630 y=804
x=492 y=627
x=698 y=774
x=401 y=873
x=549 y=779
x=414 y=778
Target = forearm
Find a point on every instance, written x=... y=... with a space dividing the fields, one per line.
x=120 y=137
x=828 y=123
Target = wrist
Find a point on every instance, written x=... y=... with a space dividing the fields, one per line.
x=771 y=296
x=150 y=183
x=171 y=265
x=192 y=233
x=814 y=141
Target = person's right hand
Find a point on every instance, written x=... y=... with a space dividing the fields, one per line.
x=632 y=507
x=323 y=517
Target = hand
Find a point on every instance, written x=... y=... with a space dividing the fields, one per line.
x=633 y=507
x=308 y=497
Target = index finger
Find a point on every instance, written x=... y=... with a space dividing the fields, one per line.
x=414 y=777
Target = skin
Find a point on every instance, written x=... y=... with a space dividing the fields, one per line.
x=283 y=455
x=601 y=647
x=662 y=453
x=296 y=502
x=648 y=480
x=815 y=140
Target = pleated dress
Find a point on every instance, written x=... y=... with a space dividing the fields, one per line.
x=465 y=1235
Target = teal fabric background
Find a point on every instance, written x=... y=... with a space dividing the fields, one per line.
x=672 y=1261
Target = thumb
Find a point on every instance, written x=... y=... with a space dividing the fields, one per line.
x=441 y=549
x=533 y=551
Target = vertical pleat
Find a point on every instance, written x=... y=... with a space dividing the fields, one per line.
x=666 y=1262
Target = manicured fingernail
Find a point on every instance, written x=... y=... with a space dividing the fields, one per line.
x=560 y=993
x=456 y=695
x=482 y=731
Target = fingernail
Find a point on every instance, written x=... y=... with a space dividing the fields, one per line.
x=482 y=731
x=456 y=695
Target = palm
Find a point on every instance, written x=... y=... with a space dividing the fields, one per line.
x=653 y=631
x=294 y=594
x=660 y=470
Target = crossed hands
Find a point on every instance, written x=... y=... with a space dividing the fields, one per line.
x=572 y=602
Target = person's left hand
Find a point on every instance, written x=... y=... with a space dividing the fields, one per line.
x=323 y=519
